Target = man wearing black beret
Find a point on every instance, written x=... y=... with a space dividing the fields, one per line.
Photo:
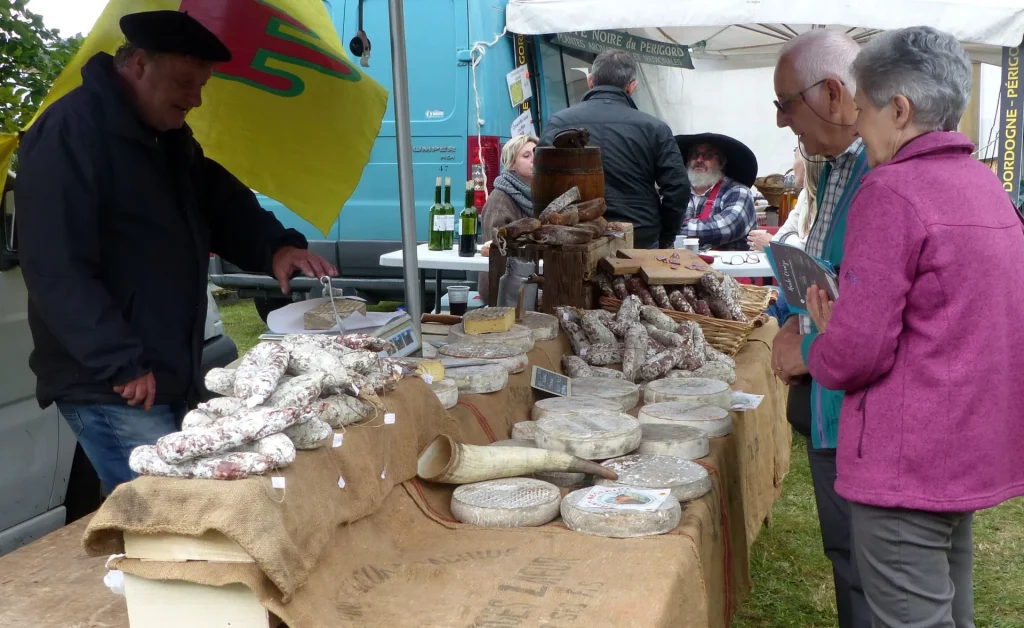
x=120 y=210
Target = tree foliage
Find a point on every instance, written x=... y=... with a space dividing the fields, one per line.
x=31 y=57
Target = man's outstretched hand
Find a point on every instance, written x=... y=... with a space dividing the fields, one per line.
x=288 y=259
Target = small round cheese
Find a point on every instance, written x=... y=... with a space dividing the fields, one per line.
x=519 y=337
x=447 y=392
x=506 y=503
x=687 y=480
x=625 y=394
x=479 y=379
x=558 y=405
x=620 y=524
x=525 y=429
x=694 y=391
x=713 y=421
x=561 y=479
x=722 y=371
x=681 y=441
x=512 y=358
x=543 y=326
x=593 y=435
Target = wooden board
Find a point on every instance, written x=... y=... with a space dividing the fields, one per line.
x=645 y=262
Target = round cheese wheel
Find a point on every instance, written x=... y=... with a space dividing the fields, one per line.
x=593 y=435
x=695 y=391
x=543 y=326
x=506 y=503
x=519 y=337
x=512 y=358
x=615 y=523
x=561 y=479
x=525 y=429
x=557 y=405
x=722 y=371
x=681 y=441
x=712 y=420
x=479 y=379
x=687 y=480
x=625 y=394
x=447 y=392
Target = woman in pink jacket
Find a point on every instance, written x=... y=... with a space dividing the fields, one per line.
x=925 y=336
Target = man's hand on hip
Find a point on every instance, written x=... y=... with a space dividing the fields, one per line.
x=288 y=259
x=140 y=390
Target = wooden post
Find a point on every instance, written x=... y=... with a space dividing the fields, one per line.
x=971 y=120
x=494 y=272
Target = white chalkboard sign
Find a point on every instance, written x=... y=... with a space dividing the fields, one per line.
x=551 y=382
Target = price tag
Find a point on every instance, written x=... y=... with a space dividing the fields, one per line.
x=428 y=378
x=383 y=473
x=341 y=482
x=389 y=418
x=551 y=382
x=337 y=440
x=277 y=482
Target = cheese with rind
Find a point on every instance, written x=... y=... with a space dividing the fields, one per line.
x=721 y=371
x=625 y=394
x=682 y=441
x=447 y=392
x=506 y=503
x=524 y=429
x=592 y=435
x=694 y=391
x=686 y=479
x=488 y=320
x=512 y=358
x=712 y=420
x=543 y=326
x=561 y=479
x=519 y=336
x=557 y=405
x=620 y=524
x=479 y=379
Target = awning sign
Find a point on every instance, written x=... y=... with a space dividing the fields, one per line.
x=645 y=50
x=1010 y=139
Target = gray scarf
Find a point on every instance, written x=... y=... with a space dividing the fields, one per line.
x=519 y=190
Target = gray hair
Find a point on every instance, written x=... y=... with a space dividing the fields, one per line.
x=127 y=50
x=510 y=151
x=823 y=53
x=930 y=68
x=616 y=68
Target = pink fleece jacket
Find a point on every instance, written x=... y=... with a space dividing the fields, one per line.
x=927 y=335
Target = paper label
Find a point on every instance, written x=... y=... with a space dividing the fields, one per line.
x=389 y=418
x=624 y=498
x=383 y=473
x=341 y=482
x=428 y=378
x=519 y=88
x=743 y=401
x=277 y=482
x=337 y=440
x=523 y=125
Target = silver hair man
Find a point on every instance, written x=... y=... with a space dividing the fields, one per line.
x=928 y=67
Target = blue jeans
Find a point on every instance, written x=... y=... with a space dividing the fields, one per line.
x=109 y=432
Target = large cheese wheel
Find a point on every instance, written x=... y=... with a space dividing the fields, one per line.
x=722 y=371
x=562 y=479
x=620 y=524
x=625 y=394
x=512 y=358
x=687 y=480
x=557 y=405
x=681 y=441
x=593 y=435
x=543 y=326
x=713 y=420
x=519 y=337
x=479 y=379
x=506 y=503
x=447 y=392
x=525 y=429
x=694 y=391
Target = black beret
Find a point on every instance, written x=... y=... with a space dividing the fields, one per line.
x=174 y=32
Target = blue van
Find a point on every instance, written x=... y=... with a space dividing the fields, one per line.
x=442 y=98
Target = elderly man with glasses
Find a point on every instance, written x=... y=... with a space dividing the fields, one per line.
x=815 y=87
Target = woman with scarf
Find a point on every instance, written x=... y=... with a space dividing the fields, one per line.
x=511 y=198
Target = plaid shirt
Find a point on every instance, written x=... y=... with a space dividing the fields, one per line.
x=731 y=219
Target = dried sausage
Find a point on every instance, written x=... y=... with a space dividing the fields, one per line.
x=657 y=366
x=258 y=374
x=602 y=354
x=678 y=301
x=567 y=218
x=574 y=366
x=226 y=434
x=220 y=381
x=577 y=337
x=517 y=229
x=558 y=235
x=311 y=434
x=660 y=295
x=596 y=330
x=635 y=351
x=592 y=209
x=657 y=318
x=604 y=284
x=637 y=286
x=619 y=286
x=629 y=311
x=342 y=410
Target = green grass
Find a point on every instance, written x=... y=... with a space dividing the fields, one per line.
x=792 y=578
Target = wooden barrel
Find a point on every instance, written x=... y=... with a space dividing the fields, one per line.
x=557 y=170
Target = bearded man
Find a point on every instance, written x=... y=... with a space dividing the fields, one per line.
x=721 y=208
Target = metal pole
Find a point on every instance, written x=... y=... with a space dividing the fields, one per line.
x=403 y=138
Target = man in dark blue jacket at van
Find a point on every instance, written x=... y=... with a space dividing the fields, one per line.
x=119 y=213
x=638 y=152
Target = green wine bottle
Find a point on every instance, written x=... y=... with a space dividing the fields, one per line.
x=449 y=213
x=436 y=241
x=467 y=225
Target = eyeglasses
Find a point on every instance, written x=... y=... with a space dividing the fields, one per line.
x=706 y=155
x=739 y=260
x=783 y=105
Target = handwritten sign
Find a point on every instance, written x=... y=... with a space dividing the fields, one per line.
x=551 y=382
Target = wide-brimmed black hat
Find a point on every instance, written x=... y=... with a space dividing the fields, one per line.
x=174 y=32
x=740 y=162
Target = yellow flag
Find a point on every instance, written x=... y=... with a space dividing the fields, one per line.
x=290 y=115
x=7 y=145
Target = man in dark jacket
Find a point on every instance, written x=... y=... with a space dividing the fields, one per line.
x=638 y=152
x=119 y=213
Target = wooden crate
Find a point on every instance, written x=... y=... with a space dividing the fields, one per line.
x=567 y=268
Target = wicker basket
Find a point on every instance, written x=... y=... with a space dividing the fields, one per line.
x=726 y=336
x=773 y=189
x=755 y=299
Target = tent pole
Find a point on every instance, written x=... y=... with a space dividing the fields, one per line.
x=403 y=138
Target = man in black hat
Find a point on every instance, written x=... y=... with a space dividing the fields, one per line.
x=721 y=208
x=120 y=210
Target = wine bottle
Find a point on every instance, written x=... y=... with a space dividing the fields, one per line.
x=436 y=241
x=467 y=225
x=449 y=213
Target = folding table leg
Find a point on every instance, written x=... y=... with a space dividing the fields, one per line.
x=437 y=293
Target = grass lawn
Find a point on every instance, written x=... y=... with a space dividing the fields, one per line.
x=792 y=578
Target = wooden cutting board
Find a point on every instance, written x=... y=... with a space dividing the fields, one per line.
x=646 y=263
